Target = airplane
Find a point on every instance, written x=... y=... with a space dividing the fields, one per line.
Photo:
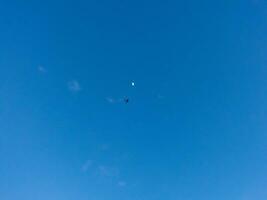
x=126 y=100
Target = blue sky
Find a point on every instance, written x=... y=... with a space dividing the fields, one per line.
x=194 y=129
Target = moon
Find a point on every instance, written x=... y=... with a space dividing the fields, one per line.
x=133 y=84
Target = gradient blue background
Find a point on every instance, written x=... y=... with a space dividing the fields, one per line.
x=196 y=124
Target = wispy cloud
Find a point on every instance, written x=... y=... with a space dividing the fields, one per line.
x=108 y=171
x=87 y=165
x=110 y=100
x=104 y=172
x=159 y=96
x=122 y=183
x=114 y=100
x=104 y=147
x=41 y=69
x=74 y=86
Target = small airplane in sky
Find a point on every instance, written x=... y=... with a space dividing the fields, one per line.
x=126 y=100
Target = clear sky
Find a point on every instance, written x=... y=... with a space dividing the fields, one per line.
x=195 y=127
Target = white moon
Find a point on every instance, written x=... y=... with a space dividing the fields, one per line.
x=133 y=84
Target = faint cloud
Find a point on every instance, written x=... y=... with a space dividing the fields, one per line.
x=41 y=69
x=108 y=171
x=87 y=165
x=74 y=86
x=114 y=100
x=122 y=183
x=159 y=96
x=104 y=147
x=111 y=100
